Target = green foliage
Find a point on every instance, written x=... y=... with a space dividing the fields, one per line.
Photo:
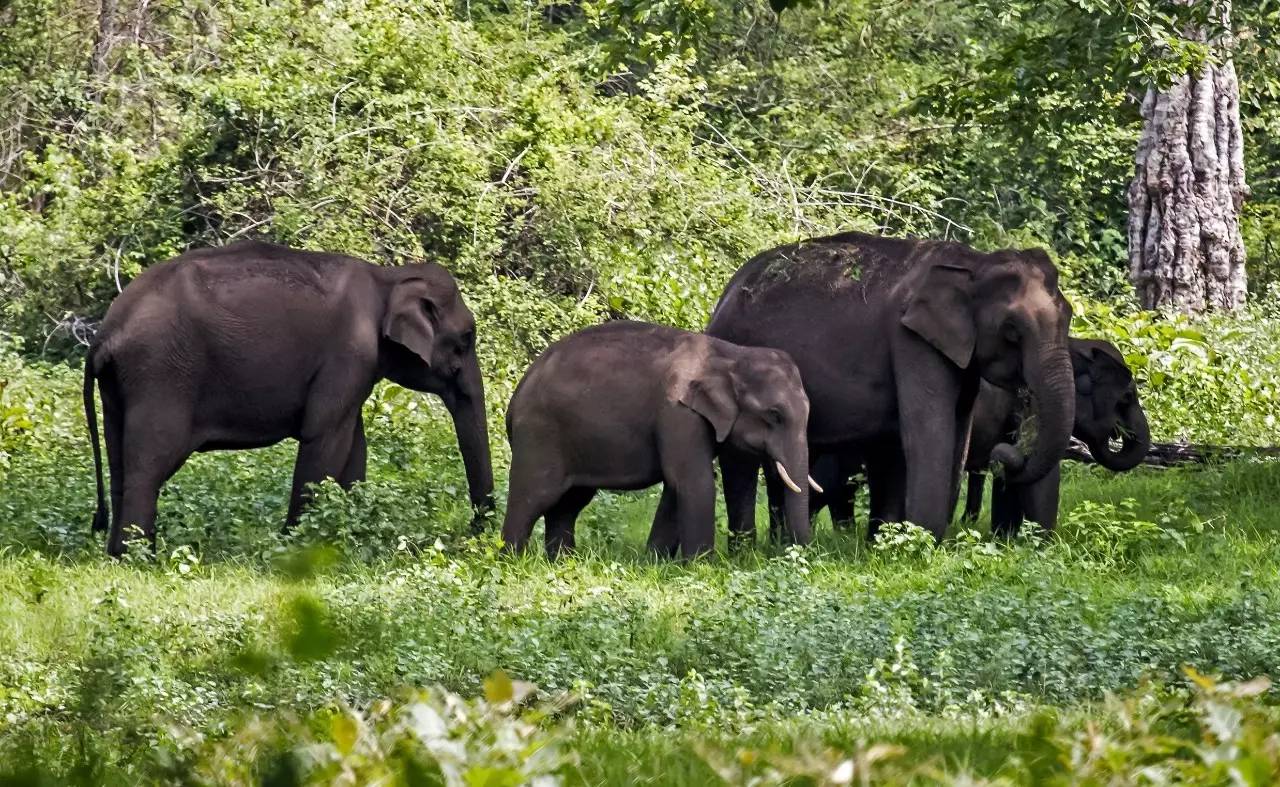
x=1208 y=379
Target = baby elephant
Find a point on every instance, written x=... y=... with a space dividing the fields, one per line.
x=625 y=405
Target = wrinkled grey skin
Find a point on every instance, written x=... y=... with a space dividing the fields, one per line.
x=249 y=344
x=626 y=405
x=892 y=338
x=1107 y=409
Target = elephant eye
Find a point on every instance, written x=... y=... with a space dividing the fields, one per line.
x=1011 y=333
x=774 y=415
x=467 y=340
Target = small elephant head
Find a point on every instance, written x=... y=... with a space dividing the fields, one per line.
x=1107 y=407
x=754 y=401
x=428 y=343
x=1002 y=314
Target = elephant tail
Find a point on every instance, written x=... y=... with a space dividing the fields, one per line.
x=91 y=418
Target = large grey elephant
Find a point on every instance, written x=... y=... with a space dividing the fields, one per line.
x=246 y=345
x=625 y=405
x=1107 y=411
x=893 y=338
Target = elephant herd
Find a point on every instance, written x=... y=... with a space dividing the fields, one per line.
x=902 y=361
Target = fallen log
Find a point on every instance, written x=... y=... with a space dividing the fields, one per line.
x=1174 y=454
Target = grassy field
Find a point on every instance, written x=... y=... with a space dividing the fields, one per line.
x=978 y=659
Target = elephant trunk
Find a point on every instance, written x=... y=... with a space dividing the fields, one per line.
x=1049 y=378
x=794 y=471
x=1135 y=442
x=466 y=405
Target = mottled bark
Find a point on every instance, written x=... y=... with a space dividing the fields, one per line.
x=1185 y=247
x=104 y=39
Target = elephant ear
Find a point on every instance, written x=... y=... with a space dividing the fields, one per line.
x=408 y=318
x=940 y=311
x=710 y=394
x=1105 y=363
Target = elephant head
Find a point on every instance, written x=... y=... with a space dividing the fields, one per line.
x=1107 y=406
x=428 y=343
x=1002 y=314
x=754 y=401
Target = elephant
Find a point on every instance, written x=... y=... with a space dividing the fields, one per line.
x=892 y=337
x=1107 y=408
x=247 y=344
x=624 y=405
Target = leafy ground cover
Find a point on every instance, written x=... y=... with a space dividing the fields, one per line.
x=238 y=654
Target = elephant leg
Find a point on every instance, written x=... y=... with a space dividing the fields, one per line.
x=562 y=517
x=739 y=471
x=844 y=496
x=687 y=472
x=664 y=536
x=776 y=494
x=319 y=457
x=157 y=440
x=929 y=446
x=1006 y=508
x=887 y=484
x=354 y=469
x=533 y=487
x=1040 y=500
x=973 y=497
x=696 y=513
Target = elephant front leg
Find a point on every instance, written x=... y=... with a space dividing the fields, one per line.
x=686 y=452
x=928 y=403
x=973 y=497
x=739 y=472
x=775 y=495
x=1040 y=500
x=664 y=536
x=1006 y=508
x=696 y=512
x=320 y=457
x=353 y=471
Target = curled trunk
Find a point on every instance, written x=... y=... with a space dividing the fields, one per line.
x=1135 y=442
x=1052 y=386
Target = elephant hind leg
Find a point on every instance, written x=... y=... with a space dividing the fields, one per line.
x=533 y=487
x=562 y=517
x=156 y=441
x=973 y=497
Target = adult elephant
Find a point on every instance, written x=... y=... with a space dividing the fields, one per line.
x=246 y=345
x=1109 y=419
x=892 y=337
x=1107 y=411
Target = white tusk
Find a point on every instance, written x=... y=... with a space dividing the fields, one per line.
x=815 y=486
x=786 y=479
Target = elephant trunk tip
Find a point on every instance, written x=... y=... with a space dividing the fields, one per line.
x=1012 y=460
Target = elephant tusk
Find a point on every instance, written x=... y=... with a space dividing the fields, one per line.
x=815 y=486
x=786 y=479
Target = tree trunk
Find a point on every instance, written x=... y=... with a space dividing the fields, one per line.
x=104 y=39
x=1185 y=247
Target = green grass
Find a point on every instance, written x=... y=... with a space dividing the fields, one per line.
x=798 y=658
